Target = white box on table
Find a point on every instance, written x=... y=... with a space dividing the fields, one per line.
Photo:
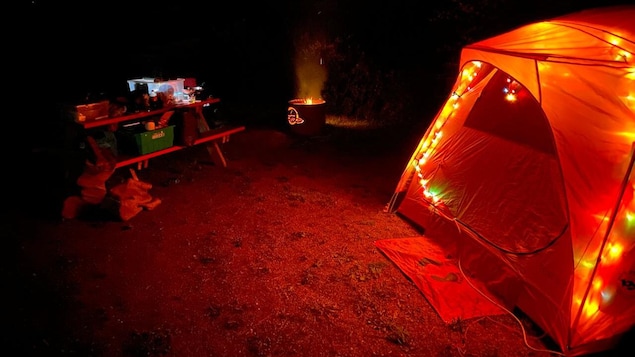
x=173 y=86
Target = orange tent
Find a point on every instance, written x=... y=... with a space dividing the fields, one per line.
x=526 y=174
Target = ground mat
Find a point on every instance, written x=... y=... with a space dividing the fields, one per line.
x=439 y=279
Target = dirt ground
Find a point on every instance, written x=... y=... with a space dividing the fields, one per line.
x=270 y=256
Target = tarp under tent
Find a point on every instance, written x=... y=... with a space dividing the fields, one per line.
x=525 y=177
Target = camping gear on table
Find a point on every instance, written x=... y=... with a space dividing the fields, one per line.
x=526 y=174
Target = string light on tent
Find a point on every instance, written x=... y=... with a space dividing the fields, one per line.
x=469 y=75
x=455 y=105
x=614 y=252
x=592 y=304
x=603 y=295
x=602 y=292
x=588 y=263
x=621 y=55
x=606 y=283
x=511 y=91
x=624 y=56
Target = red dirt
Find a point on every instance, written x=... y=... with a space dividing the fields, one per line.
x=271 y=256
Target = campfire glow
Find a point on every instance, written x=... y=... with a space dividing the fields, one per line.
x=307 y=101
x=310 y=71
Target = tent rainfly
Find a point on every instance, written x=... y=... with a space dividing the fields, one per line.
x=526 y=174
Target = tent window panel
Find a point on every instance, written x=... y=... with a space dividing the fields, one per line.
x=508 y=193
x=516 y=116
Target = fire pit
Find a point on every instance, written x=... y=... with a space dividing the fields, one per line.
x=306 y=116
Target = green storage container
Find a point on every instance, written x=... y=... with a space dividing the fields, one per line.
x=155 y=140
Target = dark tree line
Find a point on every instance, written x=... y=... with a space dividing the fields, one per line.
x=385 y=59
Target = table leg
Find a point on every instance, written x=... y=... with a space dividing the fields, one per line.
x=213 y=148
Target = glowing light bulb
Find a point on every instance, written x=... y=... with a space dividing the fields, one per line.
x=590 y=308
x=588 y=264
x=597 y=284
x=615 y=251
x=623 y=56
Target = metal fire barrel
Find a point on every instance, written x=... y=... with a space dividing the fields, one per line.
x=306 y=117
